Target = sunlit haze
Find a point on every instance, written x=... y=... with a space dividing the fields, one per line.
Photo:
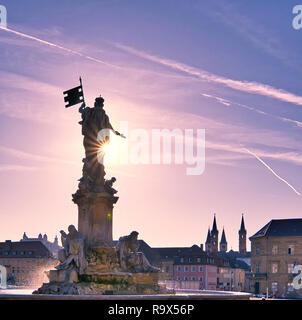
x=233 y=69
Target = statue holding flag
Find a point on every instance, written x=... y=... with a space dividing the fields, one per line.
x=96 y=129
x=91 y=262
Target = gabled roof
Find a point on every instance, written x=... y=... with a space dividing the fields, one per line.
x=232 y=260
x=280 y=228
x=174 y=252
x=23 y=249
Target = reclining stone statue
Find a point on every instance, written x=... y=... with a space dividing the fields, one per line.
x=130 y=258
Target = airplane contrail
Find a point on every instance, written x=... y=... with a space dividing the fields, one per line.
x=229 y=103
x=51 y=44
x=241 y=85
x=272 y=171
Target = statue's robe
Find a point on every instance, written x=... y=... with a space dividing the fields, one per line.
x=95 y=120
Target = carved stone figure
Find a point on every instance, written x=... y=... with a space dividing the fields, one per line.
x=109 y=184
x=96 y=129
x=130 y=258
x=73 y=255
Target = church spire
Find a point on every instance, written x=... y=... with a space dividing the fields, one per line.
x=242 y=237
x=208 y=236
x=208 y=241
x=223 y=239
x=242 y=227
x=214 y=236
x=223 y=243
x=214 y=228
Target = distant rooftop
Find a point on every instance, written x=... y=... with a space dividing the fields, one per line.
x=280 y=228
x=23 y=249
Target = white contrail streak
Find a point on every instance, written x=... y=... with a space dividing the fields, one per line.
x=245 y=86
x=229 y=103
x=272 y=171
x=51 y=44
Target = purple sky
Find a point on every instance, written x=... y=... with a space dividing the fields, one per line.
x=231 y=68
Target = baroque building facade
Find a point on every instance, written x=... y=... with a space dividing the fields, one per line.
x=276 y=250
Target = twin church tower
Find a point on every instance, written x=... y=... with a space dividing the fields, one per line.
x=211 y=244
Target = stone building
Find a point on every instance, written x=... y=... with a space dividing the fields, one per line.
x=193 y=268
x=26 y=261
x=231 y=272
x=186 y=267
x=52 y=246
x=199 y=270
x=276 y=249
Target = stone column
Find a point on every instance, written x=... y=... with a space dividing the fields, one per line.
x=95 y=213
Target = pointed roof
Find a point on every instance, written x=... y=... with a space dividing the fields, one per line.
x=281 y=228
x=223 y=239
x=242 y=227
x=214 y=228
x=208 y=236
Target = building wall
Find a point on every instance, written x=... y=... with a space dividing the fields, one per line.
x=206 y=275
x=28 y=271
x=272 y=262
x=167 y=267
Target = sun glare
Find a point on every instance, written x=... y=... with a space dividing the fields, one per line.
x=110 y=151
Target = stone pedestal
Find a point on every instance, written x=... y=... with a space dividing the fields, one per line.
x=95 y=214
x=67 y=276
x=112 y=283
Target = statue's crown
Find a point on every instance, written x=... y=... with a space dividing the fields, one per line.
x=99 y=99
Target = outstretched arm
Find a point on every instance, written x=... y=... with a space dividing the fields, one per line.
x=116 y=132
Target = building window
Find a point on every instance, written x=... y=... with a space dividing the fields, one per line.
x=257 y=268
x=193 y=278
x=198 y=260
x=274 y=286
x=290 y=287
x=179 y=268
x=274 y=267
x=186 y=269
x=290 y=249
x=257 y=250
x=179 y=278
x=290 y=268
x=181 y=259
x=186 y=278
x=200 y=269
x=190 y=259
x=193 y=268
x=167 y=268
x=200 y=279
x=275 y=250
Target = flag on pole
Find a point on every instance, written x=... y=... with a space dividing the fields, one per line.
x=74 y=96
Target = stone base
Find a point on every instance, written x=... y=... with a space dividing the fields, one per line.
x=68 y=276
x=95 y=214
x=109 y=283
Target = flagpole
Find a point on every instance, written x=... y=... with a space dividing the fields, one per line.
x=82 y=89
